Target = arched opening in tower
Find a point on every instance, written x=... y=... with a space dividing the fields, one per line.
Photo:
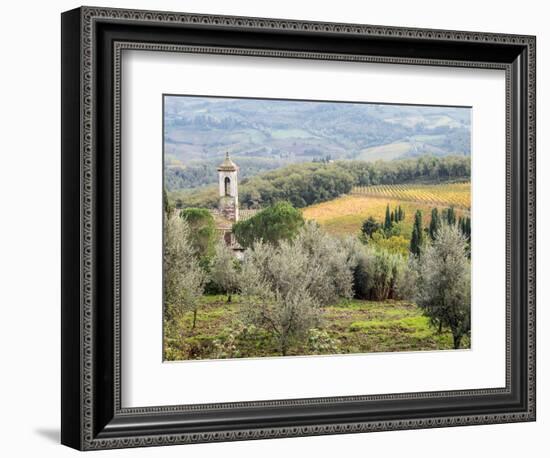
x=227 y=182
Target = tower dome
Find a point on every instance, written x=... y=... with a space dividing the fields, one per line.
x=227 y=165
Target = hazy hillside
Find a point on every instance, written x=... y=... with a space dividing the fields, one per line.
x=263 y=135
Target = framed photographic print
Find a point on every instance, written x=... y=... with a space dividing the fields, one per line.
x=276 y=228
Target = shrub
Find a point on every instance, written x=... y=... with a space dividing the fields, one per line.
x=395 y=244
x=369 y=227
x=320 y=342
x=376 y=274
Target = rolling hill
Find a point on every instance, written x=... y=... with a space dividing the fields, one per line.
x=264 y=134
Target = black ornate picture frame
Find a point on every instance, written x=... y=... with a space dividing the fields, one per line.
x=92 y=42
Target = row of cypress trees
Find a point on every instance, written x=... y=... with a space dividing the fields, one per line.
x=447 y=216
x=393 y=216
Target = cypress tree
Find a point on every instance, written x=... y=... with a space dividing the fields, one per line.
x=468 y=233
x=417 y=238
x=387 y=221
x=392 y=217
x=167 y=206
x=451 y=216
x=467 y=227
x=435 y=223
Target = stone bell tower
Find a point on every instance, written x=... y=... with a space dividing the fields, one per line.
x=228 y=189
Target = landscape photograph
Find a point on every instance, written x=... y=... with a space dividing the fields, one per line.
x=302 y=228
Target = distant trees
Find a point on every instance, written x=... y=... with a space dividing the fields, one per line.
x=443 y=290
x=278 y=222
x=177 y=176
x=184 y=279
x=299 y=184
x=417 y=237
x=202 y=230
x=312 y=182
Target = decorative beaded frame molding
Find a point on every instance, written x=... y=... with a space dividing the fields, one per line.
x=88 y=437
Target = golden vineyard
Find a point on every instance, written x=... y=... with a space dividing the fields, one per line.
x=345 y=215
x=449 y=194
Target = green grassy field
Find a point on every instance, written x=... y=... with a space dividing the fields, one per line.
x=349 y=327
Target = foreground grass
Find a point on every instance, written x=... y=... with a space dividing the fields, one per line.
x=349 y=327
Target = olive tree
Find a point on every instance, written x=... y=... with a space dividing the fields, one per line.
x=224 y=270
x=330 y=263
x=274 y=292
x=406 y=281
x=285 y=286
x=444 y=282
x=183 y=277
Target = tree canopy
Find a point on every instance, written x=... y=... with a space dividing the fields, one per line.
x=313 y=182
x=279 y=222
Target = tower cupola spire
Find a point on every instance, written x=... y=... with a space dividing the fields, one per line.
x=228 y=188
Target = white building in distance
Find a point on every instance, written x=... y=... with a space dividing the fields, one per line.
x=228 y=187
